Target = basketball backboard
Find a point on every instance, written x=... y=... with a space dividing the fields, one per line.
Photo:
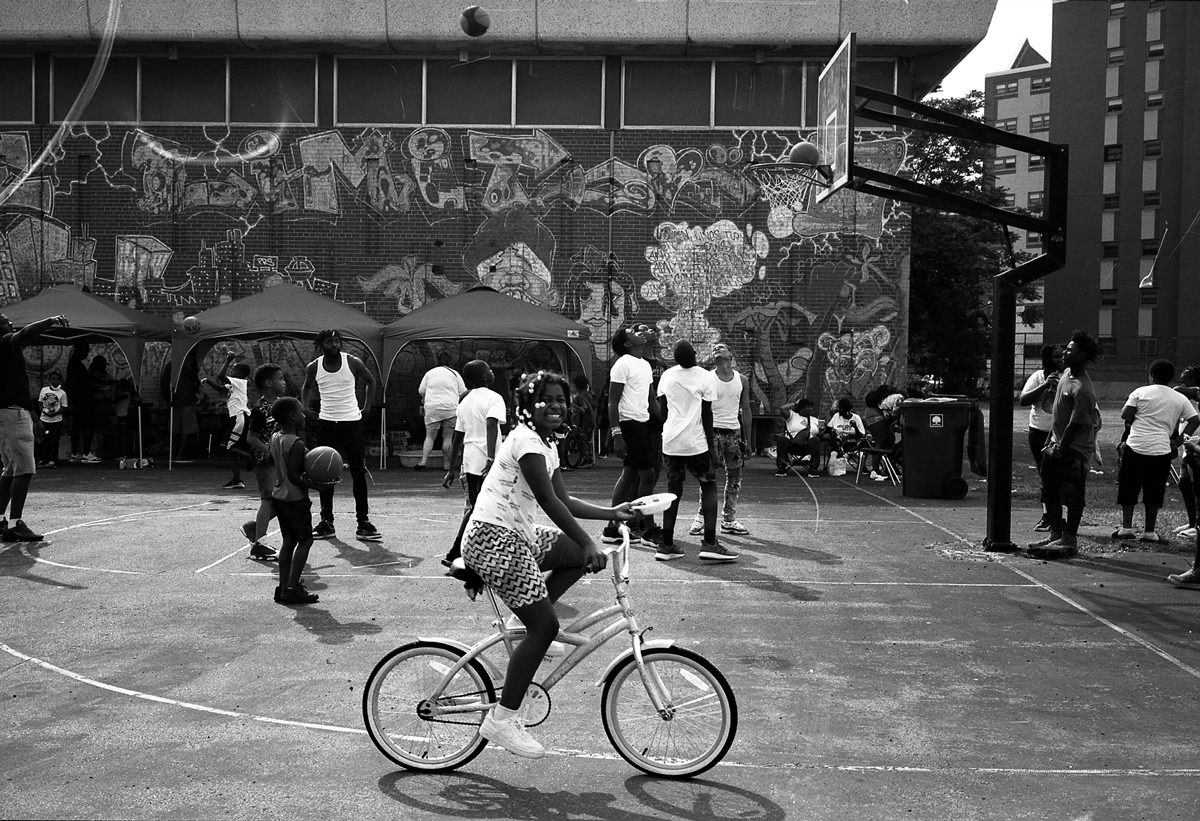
x=835 y=117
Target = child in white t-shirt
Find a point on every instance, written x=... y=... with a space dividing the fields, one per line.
x=477 y=424
x=233 y=381
x=510 y=553
x=53 y=401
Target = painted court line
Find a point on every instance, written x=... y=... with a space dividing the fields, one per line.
x=231 y=555
x=1148 y=645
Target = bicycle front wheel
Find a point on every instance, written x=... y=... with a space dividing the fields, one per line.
x=403 y=709
x=701 y=718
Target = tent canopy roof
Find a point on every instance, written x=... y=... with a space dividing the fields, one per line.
x=485 y=313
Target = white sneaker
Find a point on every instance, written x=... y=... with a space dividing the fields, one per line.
x=697 y=527
x=1187 y=533
x=878 y=477
x=512 y=736
x=91 y=459
x=557 y=648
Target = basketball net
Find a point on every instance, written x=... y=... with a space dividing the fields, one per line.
x=784 y=184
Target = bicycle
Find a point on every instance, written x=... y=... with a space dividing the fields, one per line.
x=574 y=446
x=666 y=710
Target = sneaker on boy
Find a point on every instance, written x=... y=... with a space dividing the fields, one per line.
x=611 y=534
x=734 y=527
x=233 y=484
x=19 y=532
x=716 y=552
x=668 y=552
x=324 y=530
x=697 y=527
x=367 y=533
x=260 y=552
x=510 y=734
x=652 y=536
x=298 y=595
x=1190 y=579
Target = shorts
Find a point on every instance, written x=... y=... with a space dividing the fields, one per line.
x=700 y=466
x=507 y=563
x=1064 y=480
x=639 y=450
x=295 y=518
x=446 y=426
x=237 y=433
x=264 y=476
x=16 y=442
x=1144 y=474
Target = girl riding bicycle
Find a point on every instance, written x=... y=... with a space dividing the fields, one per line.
x=509 y=552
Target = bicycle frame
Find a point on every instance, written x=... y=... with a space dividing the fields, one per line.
x=621 y=618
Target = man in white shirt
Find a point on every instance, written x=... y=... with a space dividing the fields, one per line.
x=441 y=389
x=1152 y=415
x=685 y=395
x=332 y=379
x=731 y=427
x=800 y=437
x=630 y=406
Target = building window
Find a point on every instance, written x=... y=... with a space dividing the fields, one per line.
x=1116 y=56
x=1151 y=198
x=1112 y=81
x=273 y=90
x=1149 y=248
x=1152 y=148
x=1110 y=250
x=1033 y=239
x=1150 y=124
x=1039 y=122
x=1116 y=8
x=1148 y=347
x=1112 y=153
x=1036 y=162
x=477 y=92
x=1108 y=226
x=1114 y=32
x=667 y=93
x=1112 y=124
x=1109 y=178
x=1004 y=164
x=1156 y=51
x=767 y=94
x=1008 y=199
x=1104 y=323
x=1009 y=125
x=1039 y=85
x=1152 y=75
x=1036 y=200
x=563 y=92
x=1149 y=175
x=115 y=98
x=371 y=90
x=1006 y=89
x=1148 y=296
x=1115 y=104
x=1108 y=298
x=1148 y=223
x=1145 y=265
x=1153 y=26
x=16 y=104
x=1145 y=322
x=1112 y=200
x=1108 y=281
x=1154 y=100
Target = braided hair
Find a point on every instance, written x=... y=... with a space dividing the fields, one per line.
x=530 y=389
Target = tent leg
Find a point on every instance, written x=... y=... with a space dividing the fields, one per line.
x=383 y=454
x=171 y=437
x=139 y=410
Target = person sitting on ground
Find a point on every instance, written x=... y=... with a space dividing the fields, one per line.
x=510 y=553
x=801 y=437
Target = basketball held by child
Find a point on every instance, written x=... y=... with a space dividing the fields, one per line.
x=475 y=21
x=323 y=464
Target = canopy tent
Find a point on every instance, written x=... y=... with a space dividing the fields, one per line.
x=282 y=311
x=485 y=313
x=93 y=319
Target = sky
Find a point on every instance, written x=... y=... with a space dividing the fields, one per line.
x=1014 y=22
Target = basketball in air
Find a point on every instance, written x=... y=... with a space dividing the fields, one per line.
x=323 y=464
x=475 y=21
x=191 y=325
x=804 y=153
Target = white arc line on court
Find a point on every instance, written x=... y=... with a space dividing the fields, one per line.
x=175 y=702
x=1148 y=645
x=230 y=555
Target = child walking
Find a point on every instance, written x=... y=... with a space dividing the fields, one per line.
x=271 y=384
x=53 y=401
x=476 y=437
x=509 y=552
x=290 y=499
x=232 y=380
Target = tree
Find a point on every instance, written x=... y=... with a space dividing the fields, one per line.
x=954 y=257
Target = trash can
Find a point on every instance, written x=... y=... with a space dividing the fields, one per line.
x=934 y=430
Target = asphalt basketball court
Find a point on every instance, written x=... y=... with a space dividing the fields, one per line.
x=884 y=665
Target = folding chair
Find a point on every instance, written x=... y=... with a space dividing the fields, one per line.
x=886 y=456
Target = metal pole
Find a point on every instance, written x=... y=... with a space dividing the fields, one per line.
x=1000 y=418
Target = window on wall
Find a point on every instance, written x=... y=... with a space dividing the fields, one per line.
x=1112 y=153
x=1039 y=85
x=1108 y=276
x=1153 y=25
x=754 y=94
x=1109 y=178
x=1008 y=124
x=1152 y=75
x=189 y=90
x=1145 y=321
x=273 y=90
x=1108 y=298
x=1108 y=226
x=1149 y=230
x=1152 y=148
x=1149 y=175
x=16 y=78
x=1116 y=56
x=1006 y=89
x=1039 y=122
x=1155 y=50
x=1104 y=324
x=1112 y=81
x=1151 y=198
x=1112 y=200
x=667 y=93
x=115 y=98
x=372 y=91
x=1148 y=347
x=1148 y=296
x=1036 y=162
x=474 y=93
x=561 y=92
x=1154 y=100
x=878 y=74
x=1114 y=32
x=1004 y=164
x=1111 y=125
x=1037 y=200
x=1115 y=8
x=1150 y=125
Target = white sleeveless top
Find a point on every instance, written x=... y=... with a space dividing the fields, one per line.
x=727 y=406
x=338 y=402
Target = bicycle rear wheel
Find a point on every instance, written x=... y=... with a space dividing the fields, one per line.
x=575 y=448
x=702 y=720
x=400 y=707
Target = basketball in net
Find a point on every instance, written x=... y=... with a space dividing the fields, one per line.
x=323 y=464
x=788 y=184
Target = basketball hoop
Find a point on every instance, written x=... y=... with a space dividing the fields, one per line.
x=786 y=184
